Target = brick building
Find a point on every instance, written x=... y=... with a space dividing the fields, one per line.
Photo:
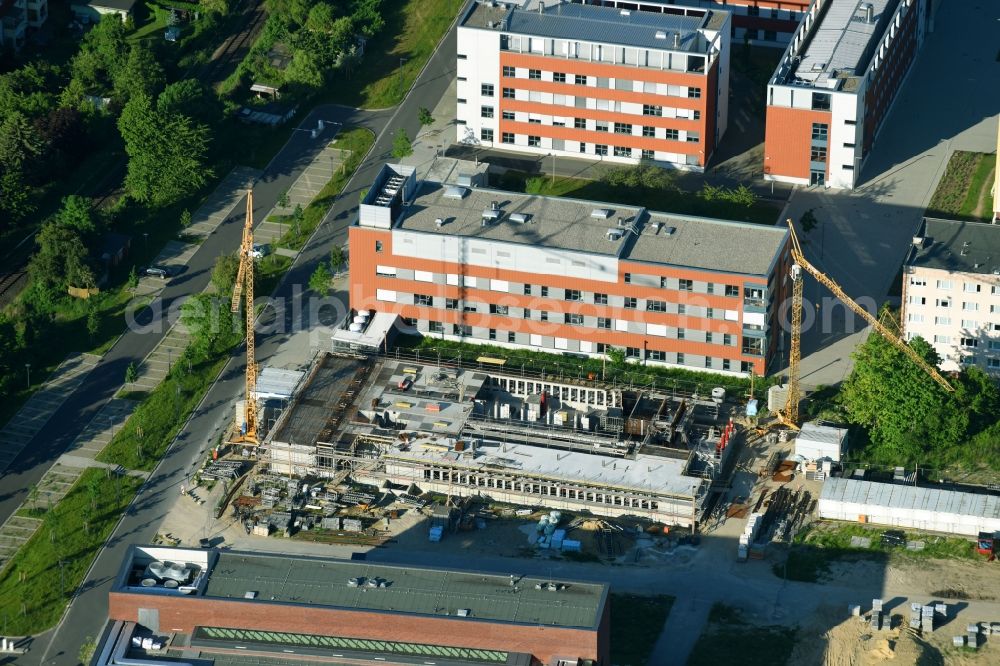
x=568 y=276
x=576 y=80
x=758 y=22
x=834 y=86
x=250 y=604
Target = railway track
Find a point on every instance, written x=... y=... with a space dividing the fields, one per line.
x=234 y=48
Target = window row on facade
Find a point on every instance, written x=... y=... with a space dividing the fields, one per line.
x=752 y=295
x=598 y=82
x=619 y=128
x=591 y=496
x=610 y=54
x=750 y=346
x=586 y=316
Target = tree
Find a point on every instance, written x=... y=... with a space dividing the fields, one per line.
x=401 y=145
x=321 y=17
x=131 y=374
x=185 y=218
x=305 y=71
x=906 y=413
x=336 y=257
x=76 y=214
x=319 y=281
x=367 y=16
x=297 y=216
x=61 y=260
x=224 y=273
x=132 y=283
x=220 y=7
x=213 y=326
x=141 y=73
x=425 y=117
x=103 y=53
x=167 y=153
x=616 y=356
x=190 y=98
x=93 y=323
x=283 y=199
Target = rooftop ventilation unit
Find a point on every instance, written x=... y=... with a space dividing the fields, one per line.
x=625 y=12
x=439 y=222
x=622 y=223
x=677 y=39
x=455 y=192
x=490 y=215
x=519 y=218
x=463 y=612
x=660 y=34
x=669 y=231
x=655 y=227
x=614 y=234
x=869 y=12
x=918 y=241
x=600 y=213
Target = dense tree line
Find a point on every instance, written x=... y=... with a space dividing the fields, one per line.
x=911 y=419
x=321 y=37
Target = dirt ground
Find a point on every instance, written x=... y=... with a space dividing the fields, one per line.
x=851 y=642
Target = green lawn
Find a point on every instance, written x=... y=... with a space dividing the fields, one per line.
x=411 y=33
x=671 y=200
x=728 y=639
x=576 y=367
x=966 y=182
x=34 y=589
x=825 y=543
x=636 y=623
x=150 y=22
x=143 y=440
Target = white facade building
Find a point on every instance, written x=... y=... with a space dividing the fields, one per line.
x=598 y=82
x=951 y=293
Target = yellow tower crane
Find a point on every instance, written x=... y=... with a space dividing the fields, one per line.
x=790 y=417
x=244 y=287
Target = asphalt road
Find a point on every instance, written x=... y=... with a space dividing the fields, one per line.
x=88 y=610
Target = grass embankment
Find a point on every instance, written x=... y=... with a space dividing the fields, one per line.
x=964 y=190
x=824 y=544
x=34 y=589
x=142 y=441
x=358 y=141
x=729 y=639
x=636 y=623
x=578 y=367
x=412 y=31
x=671 y=199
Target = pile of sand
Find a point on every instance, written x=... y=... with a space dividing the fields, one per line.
x=832 y=638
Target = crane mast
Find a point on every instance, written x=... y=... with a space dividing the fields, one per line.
x=790 y=416
x=244 y=287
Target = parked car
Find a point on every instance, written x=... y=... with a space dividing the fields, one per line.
x=893 y=538
x=260 y=251
x=161 y=272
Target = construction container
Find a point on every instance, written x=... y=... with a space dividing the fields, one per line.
x=571 y=546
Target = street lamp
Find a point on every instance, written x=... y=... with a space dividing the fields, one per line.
x=27 y=367
x=553 y=156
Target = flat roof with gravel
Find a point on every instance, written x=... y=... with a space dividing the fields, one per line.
x=412 y=590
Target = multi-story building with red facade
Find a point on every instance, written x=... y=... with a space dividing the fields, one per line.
x=757 y=22
x=582 y=81
x=568 y=276
x=232 y=606
x=834 y=86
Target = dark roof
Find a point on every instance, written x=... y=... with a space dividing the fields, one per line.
x=962 y=247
